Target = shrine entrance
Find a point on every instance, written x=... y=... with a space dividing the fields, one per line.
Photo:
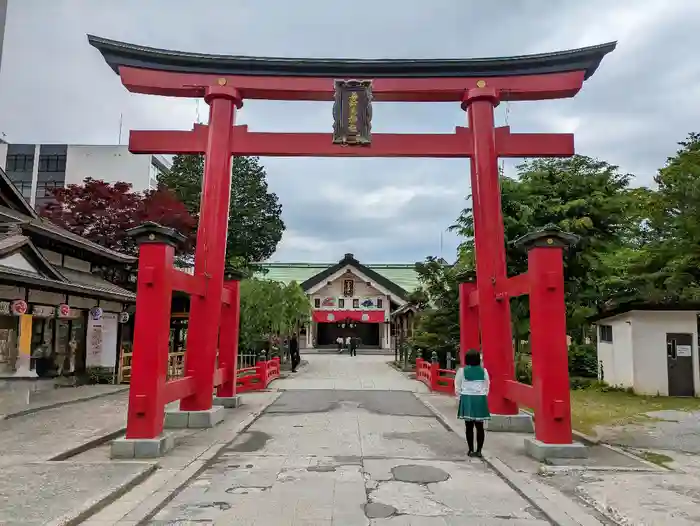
x=478 y=85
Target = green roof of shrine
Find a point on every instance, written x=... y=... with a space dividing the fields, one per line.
x=402 y=274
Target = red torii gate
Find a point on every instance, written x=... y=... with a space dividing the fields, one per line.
x=479 y=85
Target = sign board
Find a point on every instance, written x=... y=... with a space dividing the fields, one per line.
x=19 y=307
x=684 y=350
x=352 y=113
x=43 y=311
x=102 y=340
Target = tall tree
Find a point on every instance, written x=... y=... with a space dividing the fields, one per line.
x=437 y=325
x=581 y=195
x=665 y=266
x=102 y=212
x=269 y=309
x=255 y=223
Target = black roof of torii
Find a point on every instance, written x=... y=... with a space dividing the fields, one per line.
x=125 y=54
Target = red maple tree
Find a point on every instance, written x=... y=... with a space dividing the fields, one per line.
x=102 y=212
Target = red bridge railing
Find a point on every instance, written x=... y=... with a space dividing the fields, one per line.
x=438 y=380
x=258 y=377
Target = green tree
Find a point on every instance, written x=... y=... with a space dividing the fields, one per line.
x=270 y=309
x=664 y=265
x=255 y=224
x=437 y=325
x=581 y=195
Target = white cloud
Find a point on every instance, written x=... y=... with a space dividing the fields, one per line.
x=643 y=99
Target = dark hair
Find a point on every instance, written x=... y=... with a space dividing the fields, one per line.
x=473 y=357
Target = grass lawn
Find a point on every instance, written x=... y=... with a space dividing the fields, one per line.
x=591 y=407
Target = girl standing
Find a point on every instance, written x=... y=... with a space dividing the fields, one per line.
x=472 y=388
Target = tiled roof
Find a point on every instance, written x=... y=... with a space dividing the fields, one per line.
x=402 y=274
x=46 y=228
x=30 y=279
x=85 y=279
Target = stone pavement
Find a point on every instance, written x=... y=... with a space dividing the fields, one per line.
x=347 y=458
x=612 y=485
x=348 y=440
x=347 y=443
x=43 y=435
x=345 y=372
x=18 y=397
x=669 y=430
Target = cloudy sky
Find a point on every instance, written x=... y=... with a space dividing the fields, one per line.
x=640 y=103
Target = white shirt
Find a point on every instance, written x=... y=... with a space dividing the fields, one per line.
x=339 y=339
x=471 y=387
x=347 y=340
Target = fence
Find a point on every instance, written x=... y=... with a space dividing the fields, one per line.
x=247 y=360
x=439 y=380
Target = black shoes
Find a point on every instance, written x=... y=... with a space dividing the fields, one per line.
x=476 y=454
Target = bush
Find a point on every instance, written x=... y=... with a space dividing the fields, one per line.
x=523 y=368
x=583 y=360
x=578 y=383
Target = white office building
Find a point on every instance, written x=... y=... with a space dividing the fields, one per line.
x=37 y=169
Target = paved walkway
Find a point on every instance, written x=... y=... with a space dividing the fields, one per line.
x=43 y=435
x=345 y=372
x=18 y=397
x=348 y=444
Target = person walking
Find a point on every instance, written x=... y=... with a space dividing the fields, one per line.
x=472 y=389
x=347 y=343
x=339 y=341
x=294 y=353
x=353 y=346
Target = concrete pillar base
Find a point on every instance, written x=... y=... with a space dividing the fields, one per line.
x=520 y=423
x=541 y=451
x=230 y=402
x=133 y=448
x=175 y=419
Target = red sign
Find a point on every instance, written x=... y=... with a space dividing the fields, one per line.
x=63 y=310
x=337 y=316
x=19 y=307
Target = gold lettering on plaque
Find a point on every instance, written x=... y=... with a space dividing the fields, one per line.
x=352 y=117
x=352 y=113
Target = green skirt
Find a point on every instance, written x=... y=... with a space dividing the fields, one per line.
x=473 y=407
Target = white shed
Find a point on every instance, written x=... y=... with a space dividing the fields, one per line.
x=653 y=351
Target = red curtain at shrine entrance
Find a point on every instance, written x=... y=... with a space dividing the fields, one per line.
x=338 y=316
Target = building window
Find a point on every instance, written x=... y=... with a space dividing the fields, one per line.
x=20 y=163
x=380 y=303
x=25 y=188
x=52 y=163
x=356 y=303
x=341 y=303
x=317 y=303
x=606 y=333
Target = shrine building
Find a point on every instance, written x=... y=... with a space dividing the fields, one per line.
x=349 y=299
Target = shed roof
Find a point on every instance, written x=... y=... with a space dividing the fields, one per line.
x=648 y=307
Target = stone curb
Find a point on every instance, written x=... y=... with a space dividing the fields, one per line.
x=559 y=509
x=90 y=444
x=105 y=499
x=33 y=410
x=171 y=487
